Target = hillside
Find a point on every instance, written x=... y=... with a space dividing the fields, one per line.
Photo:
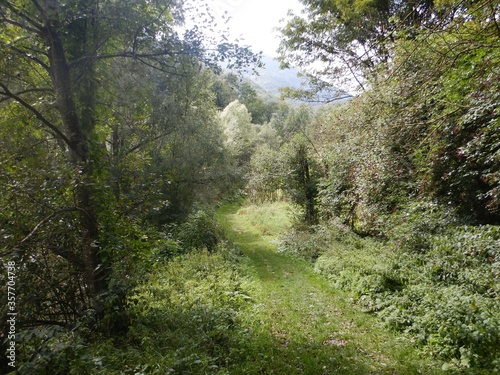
x=271 y=78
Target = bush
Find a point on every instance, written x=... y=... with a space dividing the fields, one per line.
x=186 y=316
x=58 y=351
x=453 y=323
x=311 y=242
x=361 y=267
x=413 y=227
x=467 y=256
x=450 y=301
x=441 y=285
x=200 y=231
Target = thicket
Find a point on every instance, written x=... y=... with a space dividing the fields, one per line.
x=109 y=134
x=407 y=193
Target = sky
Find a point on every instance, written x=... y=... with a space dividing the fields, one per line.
x=254 y=20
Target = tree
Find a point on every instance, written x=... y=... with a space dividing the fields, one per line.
x=239 y=131
x=449 y=83
x=56 y=61
x=343 y=42
x=255 y=105
x=226 y=90
x=426 y=129
x=265 y=177
x=302 y=174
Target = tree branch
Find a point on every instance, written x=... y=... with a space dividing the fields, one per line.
x=128 y=54
x=25 y=92
x=143 y=143
x=38 y=115
x=38 y=226
x=38 y=27
x=31 y=57
x=20 y=25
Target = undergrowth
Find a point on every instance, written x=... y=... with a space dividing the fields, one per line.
x=440 y=286
x=198 y=309
x=185 y=317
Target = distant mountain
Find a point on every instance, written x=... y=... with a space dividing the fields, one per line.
x=271 y=78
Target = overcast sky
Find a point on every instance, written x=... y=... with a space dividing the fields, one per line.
x=255 y=20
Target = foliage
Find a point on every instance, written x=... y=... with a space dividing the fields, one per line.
x=199 y=231
x=185 y=318
x=240 y=133
x=107 y=125
x=347 y=42
x=265 y=176
x=297 y=317
x=255 y=105
x=445 y=299
x=413 y=227
x=291 y=171
x=58 y=351
x=269 y=218
x=367 y=176
x=111 y=138
x=412 y=161
x=451 y=304
x=225 y=90
x=451 y=95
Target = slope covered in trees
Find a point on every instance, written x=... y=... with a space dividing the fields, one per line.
x=119 y=135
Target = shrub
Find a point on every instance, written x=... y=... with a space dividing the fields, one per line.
x=450 y=300
x=441 y=285
x=452 y=322
x=467 y=256
x=53 y=350
x=310 y=242
x=187 y=310
x=413 y=227
x=200 y=231
x=361 y=267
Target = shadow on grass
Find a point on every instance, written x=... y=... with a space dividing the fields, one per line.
x=263 y=353
x=268 y=346
x=204 y=340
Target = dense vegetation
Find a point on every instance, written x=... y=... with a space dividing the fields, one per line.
x=411 y=166
x=120 y=135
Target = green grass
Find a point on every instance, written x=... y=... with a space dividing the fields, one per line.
x=245 y=308
x=268 y=221
x=300 y=324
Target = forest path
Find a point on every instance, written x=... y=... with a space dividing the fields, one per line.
x=302 y=325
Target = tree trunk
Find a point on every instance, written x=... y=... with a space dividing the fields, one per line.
x=309 y=193
x=94 y=271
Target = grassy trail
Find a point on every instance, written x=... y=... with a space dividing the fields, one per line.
x=300 y=325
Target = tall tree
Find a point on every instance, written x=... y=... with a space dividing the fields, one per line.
x=55 y=59
x=239 y=131
x=302 y=175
